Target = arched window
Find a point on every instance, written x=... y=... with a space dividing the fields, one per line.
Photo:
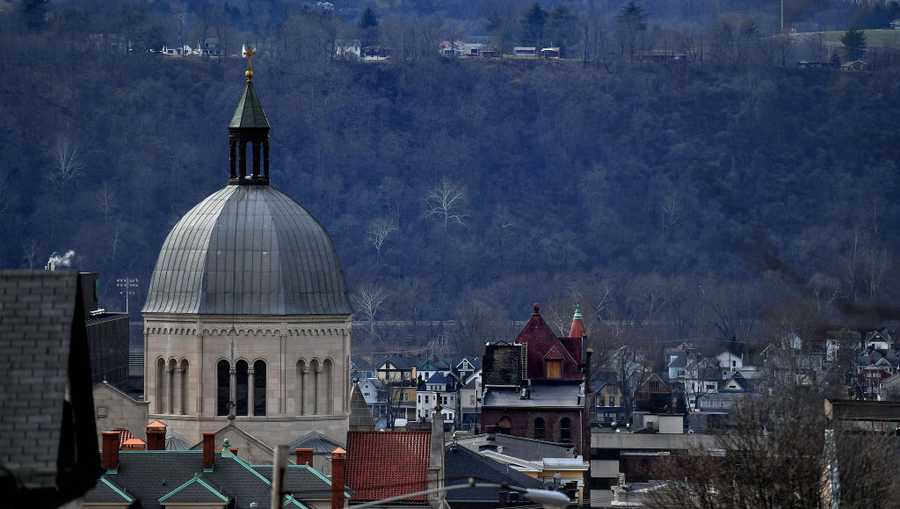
x=171 y=392
x=185 y=388
x=259 y=388
x=504 y=425
x=327 y=374
x=565 y=430
x=314 y=393
x=223 y=387
x=539 y=428
x=301 y=383
x=160 y=386
x=242 y=383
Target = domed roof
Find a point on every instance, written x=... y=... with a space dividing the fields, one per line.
x=248 y=250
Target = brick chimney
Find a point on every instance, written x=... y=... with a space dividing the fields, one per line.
x=338 y=460
x=156 y=436
x=304 y=456
x=209 y=450
x=110 y=451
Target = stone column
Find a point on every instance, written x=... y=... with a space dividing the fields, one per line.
x=302 y=382
x=251 y=384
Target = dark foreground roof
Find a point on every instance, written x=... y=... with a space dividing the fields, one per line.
x=48 y=443
x=461 y=463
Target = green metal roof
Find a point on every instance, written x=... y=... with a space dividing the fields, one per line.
x=195 y=490
x=249 y=113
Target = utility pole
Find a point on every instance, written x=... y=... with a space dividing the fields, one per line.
x=279 y=464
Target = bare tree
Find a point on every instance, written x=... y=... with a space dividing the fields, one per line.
x=31 y=253
x=106 y=201
x=379 y=230
x=67 y=164
x=367 y=299
x=445 y=202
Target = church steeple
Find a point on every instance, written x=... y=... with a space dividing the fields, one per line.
x=248 y=131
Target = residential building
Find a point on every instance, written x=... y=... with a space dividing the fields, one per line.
x=609 y=404
x=440 y=390
x=48 y=436
x=396 y=369
x=211 y=477
x=534 y=386
x=467 y=367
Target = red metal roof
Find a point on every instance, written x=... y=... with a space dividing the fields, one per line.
x=384 y=464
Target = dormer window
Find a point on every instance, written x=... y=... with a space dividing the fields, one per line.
x=553 y=369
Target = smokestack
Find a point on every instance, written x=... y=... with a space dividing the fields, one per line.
x=110 y=450
x=209 y=451
x=304 y=456
x=156 y=436
x=338 y=460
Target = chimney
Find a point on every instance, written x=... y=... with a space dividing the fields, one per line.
x=304 y=456
x=338 y=460
x=110 y=450
x=156 y=436
x=209 y=451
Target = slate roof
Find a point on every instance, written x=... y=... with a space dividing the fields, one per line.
x=44 y=348
x=151 y=475
x=529 y=449
x=541 y=396
x=385 y=464
x=249 y=113
x=194 y=491
x=461 y=463
x=315 y=440
x=248 y=250
x=398 y=362
x=360 y=413
x=303 y=481
x=107 y=492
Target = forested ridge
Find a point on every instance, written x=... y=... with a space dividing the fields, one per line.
x=639 y=190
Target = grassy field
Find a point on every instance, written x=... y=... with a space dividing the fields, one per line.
x=874 y=38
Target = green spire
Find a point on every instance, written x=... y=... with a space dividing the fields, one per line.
x=578 y=315
x=249 y=113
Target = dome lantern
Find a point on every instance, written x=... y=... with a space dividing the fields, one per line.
x=248 y=129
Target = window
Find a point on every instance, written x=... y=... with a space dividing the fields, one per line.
x=314 y=393
x=733 y=363
x=242 y=372
x=328 y=374
x=553 y=369
x=185 y=387
x=539 y=428
x=565 y=430
x=301 y=382
x=419 y=398
x=444 y=402
x=160 y=386
x=259 y=388
x=426 y=399
x=223 y=389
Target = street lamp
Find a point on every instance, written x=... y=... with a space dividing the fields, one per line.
x=547 y=498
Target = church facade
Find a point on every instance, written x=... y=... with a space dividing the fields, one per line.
x=247 y=320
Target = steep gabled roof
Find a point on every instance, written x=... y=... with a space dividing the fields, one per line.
x=387 y=464
x=107 y=492
x=315 y=440
x=194 y=491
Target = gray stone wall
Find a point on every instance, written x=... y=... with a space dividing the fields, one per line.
x=114 y=409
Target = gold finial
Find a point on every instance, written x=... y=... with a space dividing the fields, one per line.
x=248 y=54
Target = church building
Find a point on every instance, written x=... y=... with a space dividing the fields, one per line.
x=247 y=320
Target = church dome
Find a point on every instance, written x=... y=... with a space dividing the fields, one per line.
x=248 y=249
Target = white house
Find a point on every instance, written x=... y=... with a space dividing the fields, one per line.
x=441 y=389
